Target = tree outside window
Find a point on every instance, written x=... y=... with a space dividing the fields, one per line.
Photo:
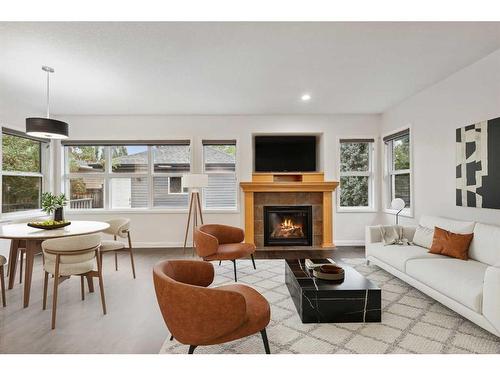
x=21 y=173
x=355 y=173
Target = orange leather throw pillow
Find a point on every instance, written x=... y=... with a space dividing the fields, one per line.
x=451 y=244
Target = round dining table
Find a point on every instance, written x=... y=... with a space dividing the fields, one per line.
x=23 y=236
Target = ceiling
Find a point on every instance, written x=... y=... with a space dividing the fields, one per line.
x=232 y=68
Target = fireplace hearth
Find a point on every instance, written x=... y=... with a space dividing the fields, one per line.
x=288 y=226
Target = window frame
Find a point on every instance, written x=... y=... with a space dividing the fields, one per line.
x=211 y=142
x=371 y=174
x=182 y=192
x=45 y=162
x=108 y=175
x=390 y=172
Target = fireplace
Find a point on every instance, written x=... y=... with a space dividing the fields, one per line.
x=288 y=225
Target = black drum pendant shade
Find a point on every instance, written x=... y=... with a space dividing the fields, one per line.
x=46 y=128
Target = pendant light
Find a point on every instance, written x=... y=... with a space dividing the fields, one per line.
x=46 y=127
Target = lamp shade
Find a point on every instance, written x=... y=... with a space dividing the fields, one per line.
x=398 y=204
x=194 y=180
x=46 y=128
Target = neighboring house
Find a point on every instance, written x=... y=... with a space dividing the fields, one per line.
x=170 y=163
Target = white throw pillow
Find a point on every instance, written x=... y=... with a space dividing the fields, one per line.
x=423 y=237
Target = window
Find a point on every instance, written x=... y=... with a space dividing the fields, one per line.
x=219 y=162
x=397 y=147
x=126 y=176
x=22 y=172
x=356 y=174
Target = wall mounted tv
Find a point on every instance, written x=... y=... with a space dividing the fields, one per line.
x=285 y=153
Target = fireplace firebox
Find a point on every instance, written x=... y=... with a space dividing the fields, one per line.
x=288 y=226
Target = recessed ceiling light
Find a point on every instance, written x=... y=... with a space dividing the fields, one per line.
x=305 y=97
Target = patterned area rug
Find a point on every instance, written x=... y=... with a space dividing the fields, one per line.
x=411 y=321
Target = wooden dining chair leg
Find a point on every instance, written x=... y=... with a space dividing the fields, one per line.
x=2 y=286
x=131 y=254
x=82 y=287
x=101 y=285
x=90 y=283
x=54 y=295
x=45 y=287
x=21 y=261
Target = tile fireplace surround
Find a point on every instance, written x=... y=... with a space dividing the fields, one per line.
x=289 y=189
x=315 y=200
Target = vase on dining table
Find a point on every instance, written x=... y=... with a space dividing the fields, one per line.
x=59 y=214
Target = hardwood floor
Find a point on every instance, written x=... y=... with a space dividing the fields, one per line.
x=133 y=323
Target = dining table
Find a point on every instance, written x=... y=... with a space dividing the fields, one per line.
x=25 y=237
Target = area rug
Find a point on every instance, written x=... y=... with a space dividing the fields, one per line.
x=411 y=322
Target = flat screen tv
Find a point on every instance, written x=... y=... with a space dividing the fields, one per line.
x=285 y=153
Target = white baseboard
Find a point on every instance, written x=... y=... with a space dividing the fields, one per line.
x=159 y=244
x=349 y=242
x=181 y=244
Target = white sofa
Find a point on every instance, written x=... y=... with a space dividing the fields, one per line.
x=471 y=288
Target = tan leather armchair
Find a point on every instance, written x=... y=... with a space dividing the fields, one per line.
x=222 y=242
x=196 y=315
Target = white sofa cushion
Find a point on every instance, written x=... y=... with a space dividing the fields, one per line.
x=491 y=296
x=485 y=246
x=458 y=279
x=397 y=255
x=455 y=226
x=423 y=236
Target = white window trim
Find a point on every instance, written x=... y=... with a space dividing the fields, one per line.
x=387 y=179
x=371 y=174
x=108 y=175
x=215 y=210
x=45 y=162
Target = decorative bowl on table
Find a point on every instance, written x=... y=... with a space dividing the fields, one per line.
x=49 y=224
x=330 y=272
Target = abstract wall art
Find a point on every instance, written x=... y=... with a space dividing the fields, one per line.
x=478 y=165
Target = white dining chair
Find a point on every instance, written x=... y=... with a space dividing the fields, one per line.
x=119 y=227
x=71 y=256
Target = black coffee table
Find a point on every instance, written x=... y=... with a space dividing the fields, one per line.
x=355 y=300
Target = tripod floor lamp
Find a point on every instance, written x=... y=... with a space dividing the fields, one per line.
x=194 y=182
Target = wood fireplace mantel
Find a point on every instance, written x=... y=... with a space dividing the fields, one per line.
x=290 y=182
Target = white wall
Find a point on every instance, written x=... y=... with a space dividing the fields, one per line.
x=167 y=229
x=468 y=96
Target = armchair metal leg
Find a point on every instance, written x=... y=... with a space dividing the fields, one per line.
x=253 y=261
x=234 y=265
x=220 y=262
x=171 y=337
x=266 y=343
x=191 y=349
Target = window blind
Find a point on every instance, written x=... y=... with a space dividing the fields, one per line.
x=357 y=140
x=396 y=135
x=18 y=133
x=156 y=142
